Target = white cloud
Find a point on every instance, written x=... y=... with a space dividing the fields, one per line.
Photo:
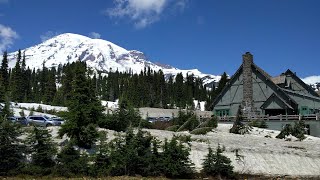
x=95 y=35
x=311 y=79
x=143 y=12
x=48 y=35
x=7 y=37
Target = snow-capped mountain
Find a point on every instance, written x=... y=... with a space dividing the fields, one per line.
x=99 y=54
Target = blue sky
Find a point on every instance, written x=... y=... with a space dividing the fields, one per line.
x=209 y=35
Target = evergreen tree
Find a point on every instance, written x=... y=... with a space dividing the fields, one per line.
x=4 y=71
x=17 y=93
x=238 y=126
x=175 y=159
x=71 y=163
x=217 y=165
x=122 y=118
x=6 y=111
x=50 y=87
x=11 y=148
x=66 y=81
x=101 y=166
x=84 y=110
x=223 y=81
x=2 y=90
x=179 y=91
x=43 y=151
x=133 y=154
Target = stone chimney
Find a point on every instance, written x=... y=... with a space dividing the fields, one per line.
x=247 y=81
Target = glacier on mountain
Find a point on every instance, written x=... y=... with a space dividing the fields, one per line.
x=99 y=54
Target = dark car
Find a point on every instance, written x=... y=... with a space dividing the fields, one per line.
x=21 y=120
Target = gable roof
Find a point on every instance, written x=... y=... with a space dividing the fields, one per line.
x=278 y=90
x=274 y=95
x=226 y=86
x=304 y=85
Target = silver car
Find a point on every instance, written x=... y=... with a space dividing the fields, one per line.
x=57 y=121
x=42 y=121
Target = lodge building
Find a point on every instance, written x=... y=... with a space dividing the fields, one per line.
x=257 y=93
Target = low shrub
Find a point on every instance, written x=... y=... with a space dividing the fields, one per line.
x=190 y=124
x=203 y=130
x=298 y=130
x=172 y=128
x=210 y=122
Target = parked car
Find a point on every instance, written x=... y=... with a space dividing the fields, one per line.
x=57 y=121
x=21 y=120
x=42 y=121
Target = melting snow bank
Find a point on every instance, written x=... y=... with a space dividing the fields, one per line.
x=259 y=153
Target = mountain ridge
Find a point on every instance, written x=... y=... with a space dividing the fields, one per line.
x=99 y=54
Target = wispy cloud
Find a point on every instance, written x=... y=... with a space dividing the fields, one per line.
x=143 y=12
x=311 y=79
x=47 y=35
x=95 y=35
x=7 y=37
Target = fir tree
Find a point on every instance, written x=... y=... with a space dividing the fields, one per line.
x=179 y=91
x=238 y=127
x=50 y=87
x=17 y=92
x=6 y=111
x=11 y=148
x=71 y=163
x=2 y=90
x=217 y=165
x=43 y=151
x=4 y=71
x=175 y=159
x=84 y=110
x=102 y=157
x=223 y=81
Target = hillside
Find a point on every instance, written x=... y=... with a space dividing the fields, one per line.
x=260 y=152
x=260 y=155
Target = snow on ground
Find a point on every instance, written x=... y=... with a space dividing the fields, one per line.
x=110 y=104
x=261 y=154
x=258 y=154
x=43 y=106
x=16 y=112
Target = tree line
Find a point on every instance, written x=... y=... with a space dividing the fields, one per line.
x=147 y=89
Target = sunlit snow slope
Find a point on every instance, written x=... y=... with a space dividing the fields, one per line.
x=99 y=54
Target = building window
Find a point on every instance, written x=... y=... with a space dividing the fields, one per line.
x=222 y=112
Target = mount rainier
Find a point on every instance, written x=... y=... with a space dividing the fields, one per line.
x=99 y=54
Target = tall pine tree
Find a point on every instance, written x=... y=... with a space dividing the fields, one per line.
x=84 y=110
x=4 y=71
